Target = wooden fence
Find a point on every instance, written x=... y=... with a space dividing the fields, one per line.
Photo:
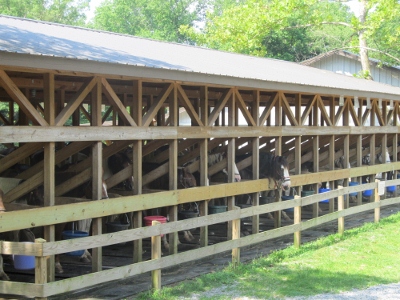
x=42 y=289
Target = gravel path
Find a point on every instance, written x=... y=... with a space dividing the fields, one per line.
x=383 y=291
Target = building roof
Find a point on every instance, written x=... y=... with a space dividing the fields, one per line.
x=43 y=45
x=344 y=53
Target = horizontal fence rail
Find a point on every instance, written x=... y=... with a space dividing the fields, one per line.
x=42 y=249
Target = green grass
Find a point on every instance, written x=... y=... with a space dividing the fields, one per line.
x=361 y=258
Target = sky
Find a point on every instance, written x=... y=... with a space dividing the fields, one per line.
x=353 y=4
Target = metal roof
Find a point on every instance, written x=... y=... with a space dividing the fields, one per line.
x=37 y=44
x=345 y=53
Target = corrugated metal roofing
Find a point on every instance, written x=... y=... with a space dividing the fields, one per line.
x=36 y=38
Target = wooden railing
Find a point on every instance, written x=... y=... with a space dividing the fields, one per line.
x=101 y=208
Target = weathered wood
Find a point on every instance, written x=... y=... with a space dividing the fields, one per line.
x=156 y=254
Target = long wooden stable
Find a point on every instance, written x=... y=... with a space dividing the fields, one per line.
x=171 y=115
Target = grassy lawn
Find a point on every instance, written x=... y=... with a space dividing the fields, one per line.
x=361 y=258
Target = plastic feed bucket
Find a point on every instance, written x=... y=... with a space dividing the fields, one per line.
x=24 y=262
x=215 y=209
x=367 y=193
x=353 y=183
x=322 y=190
x=73 y=234
x=149 y=219
x=284 y=198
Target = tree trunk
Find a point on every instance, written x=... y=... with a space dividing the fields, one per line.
x=362 y=42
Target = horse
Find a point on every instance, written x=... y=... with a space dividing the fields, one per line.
x=273 y=167
x=366 y=160
x=185 y=180
x=116 y=163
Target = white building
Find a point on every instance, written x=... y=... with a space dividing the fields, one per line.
x=344 y=62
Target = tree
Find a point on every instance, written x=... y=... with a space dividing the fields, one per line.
x=270 y=27
x=70 y=12
x=157 y=19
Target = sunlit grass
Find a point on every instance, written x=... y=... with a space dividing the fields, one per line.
x=361 y=258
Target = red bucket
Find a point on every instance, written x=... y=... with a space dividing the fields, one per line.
x=149 y=219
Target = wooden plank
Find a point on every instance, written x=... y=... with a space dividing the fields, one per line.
x=242 y=106
x=19 y=154
x=152 y=111
x=74 y=103
x=28 y=134
x=116 y=102
x=219 y=106
x=16 y=94
x=189 y=107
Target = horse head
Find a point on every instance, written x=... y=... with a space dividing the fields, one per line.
x=281 y=174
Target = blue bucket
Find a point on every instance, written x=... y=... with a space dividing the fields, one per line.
x=322 y=190
x=73 y=234
x=367 y=193
x=24 y=262
x=284 y=198
x=353 y=183
x=391 y=189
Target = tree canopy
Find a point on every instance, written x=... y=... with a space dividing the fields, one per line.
x=70 y=12
x=284 y=29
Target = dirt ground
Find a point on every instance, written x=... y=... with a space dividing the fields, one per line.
x=127 y=289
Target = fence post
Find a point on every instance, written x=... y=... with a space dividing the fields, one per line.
x=340 y=207
x=297 y=220
x=156 y=254
x=377 y=198
x=40 y=268
x=235 y=236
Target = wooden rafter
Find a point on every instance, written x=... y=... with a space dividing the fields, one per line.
x=74 y=103
x=288 y=111
x=307 y=109
x=268 y=108
x=378 y=113
x=155 y=107
x=353 y=113
x=219 y=106
x=188 y=106
x=323 y=111
x=113 y=99
x=19 y=154
x=24 y=104
x=85 y=112
x=243 y=108
x=4 y=119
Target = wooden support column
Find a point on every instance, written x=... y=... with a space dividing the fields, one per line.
x=49 y=165
x=340 y=208
x=156 y=254
x=136 y=113
x=316 y=169
x=231 y=158
x=297 y=220
x=203 y=105
x=97 y=173
x=331 y=167
x=346 y=153
x=359 y=164
x=297 y=150
x=255 y=144
x=377 y=198
x=173 y=169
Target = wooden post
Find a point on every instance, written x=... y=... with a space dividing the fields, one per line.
x=156 y=254
x=340 y=207
x=297 y=220
x=377 y=211
x=40 y=268
x=235 y=236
